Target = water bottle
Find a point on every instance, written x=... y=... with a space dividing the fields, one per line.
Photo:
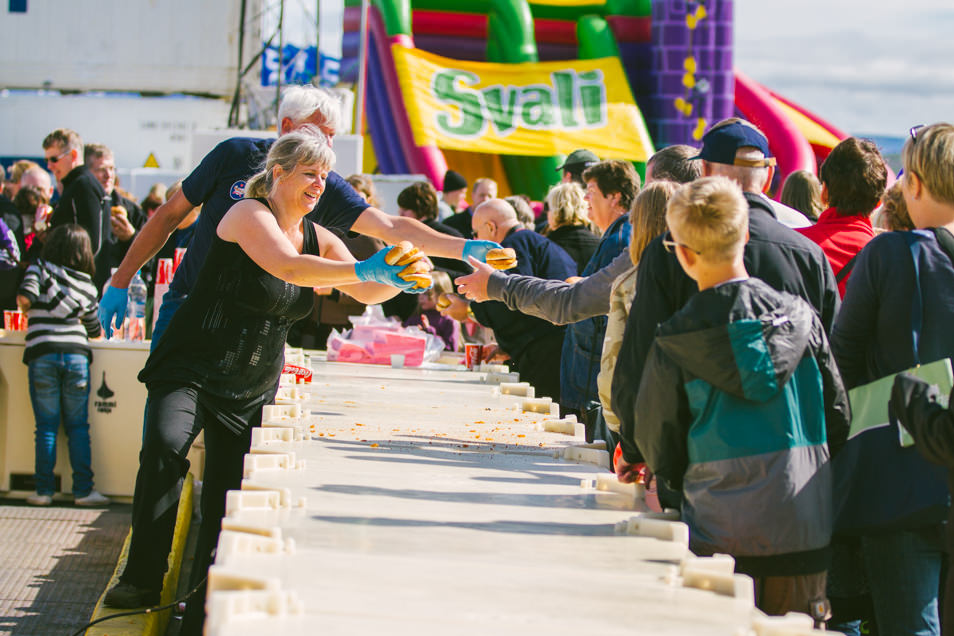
x=136 y=309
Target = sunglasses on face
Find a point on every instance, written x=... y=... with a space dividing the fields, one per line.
x=56 y=158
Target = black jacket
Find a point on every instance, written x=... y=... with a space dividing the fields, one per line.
x=781 y=257
x=82 y=203
x=578 y=241
x=461 y=223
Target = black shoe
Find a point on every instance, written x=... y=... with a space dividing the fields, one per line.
x=128 y=596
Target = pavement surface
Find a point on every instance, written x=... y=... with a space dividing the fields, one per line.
x=55 y=563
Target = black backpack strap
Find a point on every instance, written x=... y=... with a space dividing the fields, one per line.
x=844 y=271
x=945 y=240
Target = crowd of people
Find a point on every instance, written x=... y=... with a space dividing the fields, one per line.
x=704 y=330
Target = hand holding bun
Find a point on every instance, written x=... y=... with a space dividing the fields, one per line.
x=118 y=210
x=502 y=258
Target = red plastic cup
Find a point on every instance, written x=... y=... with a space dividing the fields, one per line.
x=164 y=271
x=177 y=259
x=14 y=320
x=472 y=355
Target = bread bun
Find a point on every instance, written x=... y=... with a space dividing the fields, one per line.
x=502 y=258
x=417 y=267
x=118 y=210
x=443 y=302
x=422 y=281
x=397 y=252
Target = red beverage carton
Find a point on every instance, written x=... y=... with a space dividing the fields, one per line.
x=302 y=374
x=472 y=355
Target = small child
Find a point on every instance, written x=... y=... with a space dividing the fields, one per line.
x=739 y=406
x=430 y=319
x=59 y=297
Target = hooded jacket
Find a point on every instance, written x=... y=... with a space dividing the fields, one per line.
x=740 y=403
x=777 y=255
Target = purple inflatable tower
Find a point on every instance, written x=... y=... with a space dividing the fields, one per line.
x=693 y=84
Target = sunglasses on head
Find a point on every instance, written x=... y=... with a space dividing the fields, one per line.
x=913 y=133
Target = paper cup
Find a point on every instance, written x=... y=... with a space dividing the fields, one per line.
x=472 y=355
x=9 y=320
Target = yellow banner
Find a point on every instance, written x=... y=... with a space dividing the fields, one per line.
x=541 y=109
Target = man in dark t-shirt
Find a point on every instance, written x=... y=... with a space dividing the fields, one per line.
x=219 y=181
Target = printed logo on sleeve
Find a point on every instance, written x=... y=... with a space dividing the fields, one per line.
x=238 y=190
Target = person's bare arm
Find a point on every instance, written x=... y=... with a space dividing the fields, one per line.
x=334 y=248
x=394 y=229
x=151 y=237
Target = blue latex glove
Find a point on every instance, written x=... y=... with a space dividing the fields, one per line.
x=478 y=249
x=112 y=304
x=376 y=270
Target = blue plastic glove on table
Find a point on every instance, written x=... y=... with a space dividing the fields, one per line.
x=112 y=304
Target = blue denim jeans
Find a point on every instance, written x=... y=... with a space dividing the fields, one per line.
x=59 y=391
x=170 y=305
x=904 y=574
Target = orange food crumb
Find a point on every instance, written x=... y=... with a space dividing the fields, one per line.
x=374 y=445
x=521 y=435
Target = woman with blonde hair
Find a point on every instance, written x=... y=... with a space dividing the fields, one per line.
x=568 y=224
x=648 y=218
x=897 y=313
x=219 y=360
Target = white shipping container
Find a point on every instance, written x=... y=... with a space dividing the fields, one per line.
x=163 y=46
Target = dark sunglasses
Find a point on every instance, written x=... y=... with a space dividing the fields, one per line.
x=56 y=158
x=670 y=244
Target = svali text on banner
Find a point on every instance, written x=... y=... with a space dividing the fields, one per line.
x=537 y=109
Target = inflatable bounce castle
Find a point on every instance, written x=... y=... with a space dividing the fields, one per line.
x=507 y=88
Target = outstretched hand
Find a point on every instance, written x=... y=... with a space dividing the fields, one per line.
x=474 y=286
x=478 y=249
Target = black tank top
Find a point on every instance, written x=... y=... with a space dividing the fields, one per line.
x=228 y=337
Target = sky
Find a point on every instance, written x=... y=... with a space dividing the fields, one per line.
x=869 y=67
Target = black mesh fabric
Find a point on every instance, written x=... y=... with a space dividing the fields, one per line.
x=228 y=337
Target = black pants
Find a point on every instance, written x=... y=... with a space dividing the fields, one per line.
x=539 y=364
x=173 y=420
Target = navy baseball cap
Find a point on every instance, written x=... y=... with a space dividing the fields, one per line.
x=721 y=143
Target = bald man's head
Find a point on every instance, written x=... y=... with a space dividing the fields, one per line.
x=493 y=219
x=37 y=177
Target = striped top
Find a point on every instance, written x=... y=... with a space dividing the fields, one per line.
x=62 y=315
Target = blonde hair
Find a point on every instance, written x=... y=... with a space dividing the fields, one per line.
x=566 y=202
x=442 y=283
x=711 y=217
x=894 y=215
x=930 y=157
x=648 y=215
x=364 y=186
x=301 y=147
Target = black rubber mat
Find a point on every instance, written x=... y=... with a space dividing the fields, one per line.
x=54 y=564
